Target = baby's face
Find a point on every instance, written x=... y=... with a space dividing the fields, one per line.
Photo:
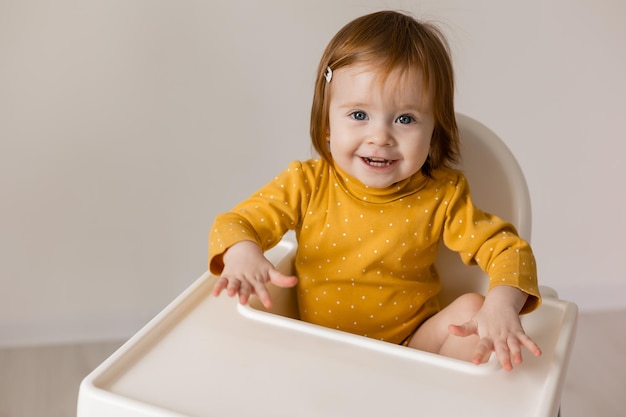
x=379 y=132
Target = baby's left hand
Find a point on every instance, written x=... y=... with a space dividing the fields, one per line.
x=498 y=326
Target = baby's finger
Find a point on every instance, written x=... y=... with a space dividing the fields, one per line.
x=233 y=287
x=245 y=290
x=504 y=354
x=529 y=344
x=466 y=329
x=515 y=349
x=483 y=348
x=219 y=286
x=260 y=290
x=281 y=280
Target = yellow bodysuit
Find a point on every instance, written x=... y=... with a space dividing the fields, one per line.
x=365 y=256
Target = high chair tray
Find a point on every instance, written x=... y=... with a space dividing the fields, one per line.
x=205 y=356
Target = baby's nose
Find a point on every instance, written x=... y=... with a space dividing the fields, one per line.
x=380 y=137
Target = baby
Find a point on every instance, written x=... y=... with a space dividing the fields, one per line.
x=370 y=212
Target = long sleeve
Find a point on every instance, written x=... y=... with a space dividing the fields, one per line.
x=263 y=218
x=492 y=243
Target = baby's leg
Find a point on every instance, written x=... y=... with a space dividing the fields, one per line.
x=433 y=336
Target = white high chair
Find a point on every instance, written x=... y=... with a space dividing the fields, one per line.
x=205 y=356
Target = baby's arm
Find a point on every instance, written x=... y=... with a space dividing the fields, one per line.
x=498 y=326
x=246 y=271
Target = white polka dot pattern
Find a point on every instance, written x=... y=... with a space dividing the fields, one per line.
x=365 y=256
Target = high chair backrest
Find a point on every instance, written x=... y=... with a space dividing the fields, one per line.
x=498 y=187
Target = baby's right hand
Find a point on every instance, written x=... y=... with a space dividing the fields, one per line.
x=246 y=271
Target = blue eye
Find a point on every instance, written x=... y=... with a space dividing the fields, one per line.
x=405 y=119
x=359 y=115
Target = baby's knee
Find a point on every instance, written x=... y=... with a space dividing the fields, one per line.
x=470 y=302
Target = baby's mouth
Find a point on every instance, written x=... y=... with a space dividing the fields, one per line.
x=377 y=162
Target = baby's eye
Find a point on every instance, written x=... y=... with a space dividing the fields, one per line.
x=405 y=119
x=358 y=115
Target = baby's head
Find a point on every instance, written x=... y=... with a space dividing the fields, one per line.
x=392 y=43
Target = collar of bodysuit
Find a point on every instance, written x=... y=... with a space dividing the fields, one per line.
x=388 y=194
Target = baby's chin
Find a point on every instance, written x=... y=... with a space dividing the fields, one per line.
x=381 y=181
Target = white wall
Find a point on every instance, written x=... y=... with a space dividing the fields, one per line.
x=127 y=125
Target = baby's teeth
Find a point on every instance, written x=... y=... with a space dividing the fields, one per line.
x=378 y=162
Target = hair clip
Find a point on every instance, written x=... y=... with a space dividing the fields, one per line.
x=328 y=74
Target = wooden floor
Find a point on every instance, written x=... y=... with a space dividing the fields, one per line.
x=43 y=381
